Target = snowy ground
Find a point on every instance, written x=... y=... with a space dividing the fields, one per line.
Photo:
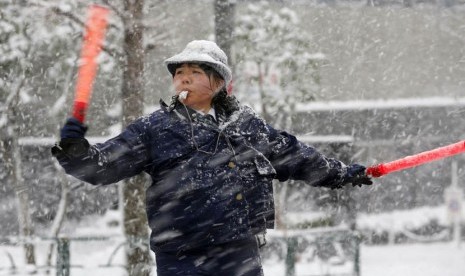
x=435 y=259
x=91 y=258
x=438 y=259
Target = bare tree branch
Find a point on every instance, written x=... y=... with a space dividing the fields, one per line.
x=69 y=15
x=112 y=52
x=148 y=26
x=76 y=19
x=114 y=8
x=153 y=42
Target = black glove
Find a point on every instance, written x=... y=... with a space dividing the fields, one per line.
x=356 y=175
x=73 y=129
x=73 y=143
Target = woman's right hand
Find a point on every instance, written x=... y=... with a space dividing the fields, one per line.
x=73 y=129
x=72 y=143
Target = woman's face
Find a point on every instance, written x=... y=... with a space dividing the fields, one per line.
x=201 y=87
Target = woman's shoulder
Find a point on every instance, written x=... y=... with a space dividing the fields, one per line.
x=155 y=119
x=157 y=114
x=250 y=115
x=243 y=112
x=244 y=118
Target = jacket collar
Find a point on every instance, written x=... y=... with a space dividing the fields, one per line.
x=186 y=113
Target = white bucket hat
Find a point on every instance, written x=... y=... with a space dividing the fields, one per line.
x=202 y=51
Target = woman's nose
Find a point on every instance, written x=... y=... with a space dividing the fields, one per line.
x=186 y=79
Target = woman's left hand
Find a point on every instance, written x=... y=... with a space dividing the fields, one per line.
x=356 y=174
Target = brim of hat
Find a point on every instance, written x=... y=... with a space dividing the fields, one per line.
x=189 y=58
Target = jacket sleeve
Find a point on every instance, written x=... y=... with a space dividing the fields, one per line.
x=121 y=157
x=293 y=159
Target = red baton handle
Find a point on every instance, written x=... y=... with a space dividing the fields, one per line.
x=416 y=160
x=92 y=45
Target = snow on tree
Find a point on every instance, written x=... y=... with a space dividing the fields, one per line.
x=276 y=60
x=128 y=44
x=30 y=43
x=39 y=49
x=18 y=45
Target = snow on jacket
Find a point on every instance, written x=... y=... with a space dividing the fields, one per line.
x=211 y=183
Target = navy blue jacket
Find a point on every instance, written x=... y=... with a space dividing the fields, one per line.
x=211 y=183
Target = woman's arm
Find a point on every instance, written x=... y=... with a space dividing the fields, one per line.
x=293 y=159
x=121 y=157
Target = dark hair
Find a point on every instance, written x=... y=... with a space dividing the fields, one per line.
x=221 y=101
x=210 y=72
x=225 y=104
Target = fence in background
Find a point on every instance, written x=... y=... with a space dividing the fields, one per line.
x=327 y=252
x=317 y=252
x=71 y=253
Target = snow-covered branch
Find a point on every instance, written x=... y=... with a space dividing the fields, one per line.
x=110 y=51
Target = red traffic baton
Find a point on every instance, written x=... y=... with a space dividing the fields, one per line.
x=95 y=29
x=416 y=160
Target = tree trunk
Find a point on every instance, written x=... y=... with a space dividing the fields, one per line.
x=224 y=25
x=136 y=228
x=14 y=165
x=280 y=202
x=135 y=219
x=263 y=98
x=60 y=215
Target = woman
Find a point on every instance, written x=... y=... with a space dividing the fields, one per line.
x=212 y=163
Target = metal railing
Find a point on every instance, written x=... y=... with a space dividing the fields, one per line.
x=322 y=245
x=62 y=264
x=291 y=245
